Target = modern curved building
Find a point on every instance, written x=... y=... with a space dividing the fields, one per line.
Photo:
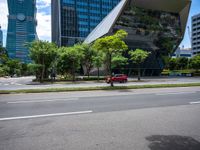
x=157 y=26
x=21 y=28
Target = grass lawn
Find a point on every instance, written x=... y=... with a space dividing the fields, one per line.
x=97 y=88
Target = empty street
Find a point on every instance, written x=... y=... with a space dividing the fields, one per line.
x=123 y=119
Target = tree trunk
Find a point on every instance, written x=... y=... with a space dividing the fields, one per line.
x=73 y=71
x=46 y=73
x=110 y=67
x=98 y=73
x=88 y=73
x=43 y=69
x=129 y=71
x=138 y=72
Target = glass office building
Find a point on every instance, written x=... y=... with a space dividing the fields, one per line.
x=73 y=20
x=196 y=34
x=21 y=28
x=1 y=37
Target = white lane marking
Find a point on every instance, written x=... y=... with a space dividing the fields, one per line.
x=46 y=115
x=198 y=102
x=173 y=93
x=18 y=84
x=41 y=101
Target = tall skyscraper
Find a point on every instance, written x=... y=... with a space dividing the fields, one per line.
x=73 y=20
x=196 y=34
x=1 y=37
x=21 y=28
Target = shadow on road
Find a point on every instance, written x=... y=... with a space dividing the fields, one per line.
x=172 y=142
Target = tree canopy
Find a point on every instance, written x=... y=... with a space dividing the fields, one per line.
x=43 y=53
x=111 y=45
x=87 y=60
x=69 y=59
x=195 y=62
x=138 y=56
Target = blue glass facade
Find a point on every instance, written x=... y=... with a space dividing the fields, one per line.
x=78 y=18
x=1 y=37
x=21 y=28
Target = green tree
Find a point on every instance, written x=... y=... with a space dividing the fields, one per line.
x=3 y=59
x=34 y=69
x=138 y=56
x=24 y=69
x=98 y=61
x=14 y=67
x=166 y=60
x=118 y=61
x=9 y=66
x=87 y=60
x=3 y=55
x=43 y=54
x=69 y=59
x=4 y=70
x=182 y=63
x=195 y=62
x=172 y=64
x=111 y=45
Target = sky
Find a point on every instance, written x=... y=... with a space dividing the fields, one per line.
x=44 y=20
x=195 y=9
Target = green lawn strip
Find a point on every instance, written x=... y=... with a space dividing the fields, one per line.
x=97 y=88
x=185 y=71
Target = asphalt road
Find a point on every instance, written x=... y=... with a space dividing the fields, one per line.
x=155 y=119
x=26 y=82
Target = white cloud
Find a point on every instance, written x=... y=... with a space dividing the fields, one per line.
x=44 y=26
x=3 y=18
x=44 y=1
x=43 y=19
x=43 y=4
x=3 y=14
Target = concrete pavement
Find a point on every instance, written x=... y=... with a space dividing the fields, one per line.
x=139 y=119
x=168 y=128
x=42 y=104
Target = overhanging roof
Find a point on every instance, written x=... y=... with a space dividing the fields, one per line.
x=164 y=5
x=175 y=6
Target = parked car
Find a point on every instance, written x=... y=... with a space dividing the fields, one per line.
x=122 y=78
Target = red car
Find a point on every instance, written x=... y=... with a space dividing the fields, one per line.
x=122 y=78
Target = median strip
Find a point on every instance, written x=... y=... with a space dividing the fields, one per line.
x=46 y=115
x=97 y=88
